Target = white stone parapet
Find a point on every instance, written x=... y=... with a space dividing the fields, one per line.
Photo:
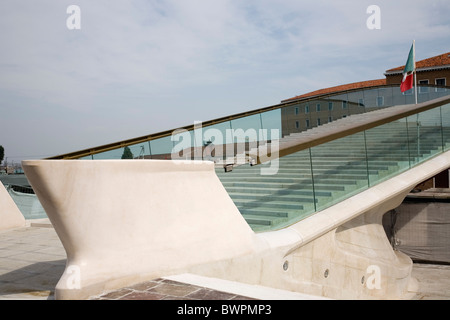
x=10 y=215
x=126 y=221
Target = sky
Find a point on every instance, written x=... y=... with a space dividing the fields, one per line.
x=120 y=69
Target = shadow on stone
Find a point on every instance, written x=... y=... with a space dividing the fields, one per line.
x=37 y=280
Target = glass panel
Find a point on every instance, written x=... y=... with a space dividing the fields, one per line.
x=437 y=90
x=339 y=166
x=355 y=107
x=162 y=148
x=140 y=150
x=423 y=94
x=398 y=97
x=339 y=98
x=182 y=142
x=198 y=141
x=245 y=132
x=370 y=99
x=218 y=142
x=247 y=123
x=289 y=119
x=331 y=107
x=112 y=154
x=356 y=96
x=425 y=135
x=445 y=116
x=274 y=200
x=441 y=92
x=315 y=112
x=340 y=106
x=385 y=95
x=387 y=151
x=271 y=120
x=356 y=102
x=409 y=96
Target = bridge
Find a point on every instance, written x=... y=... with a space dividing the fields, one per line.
x=299 y=211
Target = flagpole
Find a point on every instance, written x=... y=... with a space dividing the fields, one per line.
x=415 y=74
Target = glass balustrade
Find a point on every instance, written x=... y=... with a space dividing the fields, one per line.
x=287 y=189
x=229 y=137
x=321 y=176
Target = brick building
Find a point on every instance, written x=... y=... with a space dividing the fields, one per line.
x=434 y=71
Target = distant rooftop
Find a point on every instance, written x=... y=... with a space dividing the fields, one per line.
x=343 y=87
x=441 y=61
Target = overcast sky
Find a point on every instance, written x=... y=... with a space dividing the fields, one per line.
x=138 y=67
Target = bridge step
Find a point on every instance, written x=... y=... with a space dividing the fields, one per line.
x=339 y=170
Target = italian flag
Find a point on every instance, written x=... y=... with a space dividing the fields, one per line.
x=408 y=72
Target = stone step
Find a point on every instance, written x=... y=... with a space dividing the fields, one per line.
x=264 y=212
x=307 y=186
x=332 y=180
x=275 y=204
x=266 y=191
x=264 y=198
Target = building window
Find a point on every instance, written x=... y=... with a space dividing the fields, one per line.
x=344 y=104
x=330 y=119
x=296 y=110
x=423 y=89
x=307 y=108
x=318 y=107
x=307 y=123
x=318 y=121
x=440 y=82
x=297 y=125
x=380 y=101
x=330 y=106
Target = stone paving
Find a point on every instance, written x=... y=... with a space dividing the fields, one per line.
x=433 y=281
x=164 y=289
x=32 y=260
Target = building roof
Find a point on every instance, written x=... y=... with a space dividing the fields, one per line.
x=343 y=87
x=441 y=61
x=438 y=62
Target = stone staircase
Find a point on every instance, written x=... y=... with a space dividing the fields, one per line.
x=340 y=169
